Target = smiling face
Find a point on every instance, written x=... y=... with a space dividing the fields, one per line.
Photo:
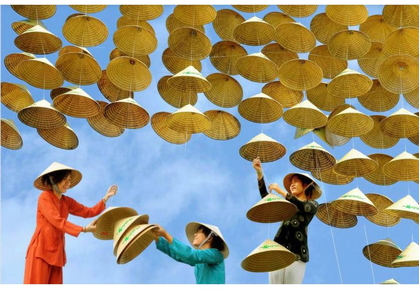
x=297 y=187
x=64 y=185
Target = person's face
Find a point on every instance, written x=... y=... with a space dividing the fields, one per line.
x=64 y=185
x=296 y=186
x=199 y=237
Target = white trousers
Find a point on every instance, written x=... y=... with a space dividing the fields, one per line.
x=292 y=274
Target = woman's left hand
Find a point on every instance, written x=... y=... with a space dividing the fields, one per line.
x=276 y=187
x=112 y=191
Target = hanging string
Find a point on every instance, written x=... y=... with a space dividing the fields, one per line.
x=369 y=255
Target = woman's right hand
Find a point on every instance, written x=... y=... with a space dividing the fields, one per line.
x=91 y=227
x=256 y=164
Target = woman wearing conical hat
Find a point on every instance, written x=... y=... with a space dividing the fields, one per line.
x=207 y=255
x=46 y=254
x=301 y=190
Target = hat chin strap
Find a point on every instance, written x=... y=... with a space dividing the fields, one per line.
x=311 y=183
x=207 y=238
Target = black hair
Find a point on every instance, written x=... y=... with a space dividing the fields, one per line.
x=217 y=242
x=306 y=181
x=56 y=177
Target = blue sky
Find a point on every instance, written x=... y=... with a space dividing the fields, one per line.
x=203 y=180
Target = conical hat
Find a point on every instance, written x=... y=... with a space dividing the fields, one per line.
x=101 y=124
x=331 y=66
x=375 y=138
x=62 y=137
x=76 y=176
x=316 y=190
x=84 y=30
x=189 y=43
x=412 y=97
x=172 y=23
x=145 y=59
x=389 y=281
x=347 y=14
x=161 y=128
x=260 y=108
x=189 y=79
x=15 y=96
x=257 y=67
x=225 y=91
x=188 y=119
x=41 y=115
x=142 y=12
x=224 y=126
x=378 y=176
x=299 y=74
x=401 y=124
x=76 y=103
x=88 y=8
x=376 y=28
x=38 y=40
x=286 y=96
x=35 y=11
x=349 y=84
x=10 y=136
x=382 y=253
x=356 y=203
x=271 y=208
x=174 y=96
x=175 y=63
x=278 y=54
x=322 y=99
x=275 y=18
x=126 y=113
x=123 y=225
x=382 y=218
x=372 y=60
x=356 y=164
x=250 y=8
x=378 y=99
x=135 y=40
x=349 y=44
x=40 y=73
x=330 y=177
x=74 y=49
x=329 y=215
x=268 y=256
x=402 y=41
x=264 y=147
x=195 y=14
x=298 y=10
x=401 y=15
x=13 y=60
x=403 y=167
x=110 y=91
x=225 y=22
x=324 y=28
x=409 y=256
x=225 y=54
x=350 y=123
x=331 y=138
x=254 y=32
x=105 y=223
x=305 y=115
x=126 y=20
x=312 y=157
x=295 y=37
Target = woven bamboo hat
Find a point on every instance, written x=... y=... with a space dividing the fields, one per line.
x=271 y=208
x=331 y=66
x=76 y=103
x=268 y=256
x=329 y=215
x=118 y=53
x=40 y=73
x=376 y=28
x=15 y=96
x=322 y=99
x=175 y=63
x=382 y=218
x=254 y=32
x=299 y=74
x=110 y=91
x=250 y=8
x=324 y=28
x=142 y=12
x=349 y=44
x=76 y=176
x=225 y=90
x=375 y=138
x=88 y=8
x=316 y=190
x=257 y=67
x=189 y=79
x=225 y=22
x=347 y=14
x=195 y=14
x=298 y=10
x=401 y=15
x=264 y=147
x=401 y=124
x=41 y=115
x=38 y=40
x=350 y=123
x=356 y=203
x=135 y=40
x=225 y=54
x=332 y=138
x=295 y=37
x=260 y=108
x=330 y=177
x=402 y=41
x=35 y=11
x=389 y=281
x=126 y=113
x=372 y=60
x=286 y=96
x=10 y=136
x=105 y=223
x=409 y=257
x=312 y=157
x=84 y=30
x=161 y=128
x=278 y=54
x=13 y=60
x=192 y=228
x=378 y=99
x=399 y=74
x=382 y=252
x=356 y=164
x=189 y=43
x=412 y=97
x=349 y=84
x=173 y=23
x=305 y=115
x=123 y=225
x=174 y=96
x=224 y=126
x=403 y=167
x=62 y=137
x=378 y=176
x=127 y=20
x=188 y=119
x=405 y=207
x=128 y=73
x=101 y=124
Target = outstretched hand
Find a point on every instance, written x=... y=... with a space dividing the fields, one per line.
x=91 y=227
x=256 y=164
x=112 y=191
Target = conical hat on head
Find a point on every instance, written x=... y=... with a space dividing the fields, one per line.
x=287 y=181
x=76 y=176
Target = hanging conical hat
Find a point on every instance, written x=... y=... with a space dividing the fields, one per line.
x=401 y=124
x=330 y=177
x=41 y=115
x=372 y=60
x=378 y=99
x=123 y=225
x=399 y=74
x=405 y=207
x=75 y=178
x=110 y=91
x=268 y=256
x=322 y=99
x=298 y=10
x=356 y=164
x=403 y=167
x=172 y=23
x=10 y=136
x=23 y=25
x=142 y=12
x=126 y=20
x=40 y=73
x=260 y=108
x=334 y=139
x=175 y=63
x=278 y=54
x=312 y=157
x=250 y=8
x=88 y=8
x=135 y=40
x=382 y=252
x=295 y=37
x=375 y=138
x=402 y=41
x=189 y=79
x=275 y=18
x=105 y=223
x=225 y=22
x=101 y=125
x=329 y=215
x=13 y=60
x=62 y=137
x=15 y=96
x=382 y=218
x=189 y=43
x=331 y=66
x=389 y=281
x=409 y=257
x=224 y=55
x=195 y=14
x=271 y=208
x=264 y=147
x=349 y=44
x=174 y=96
x=84 y=30
x=254 y=32
x=350 y=123
x=378 y=176
x=257 y=67
x=38 y=40
x=299 y=74
x=76 y=103
x=401 y=15
x=145 y=59
x=324 y=28
x=286 y=96
x=412 y=97
x=376 y=28
x=347 y=14
x=225 y=91
x=161 y=128
x=74 y=49
x=349 y=84
x=224 y=126
x=305 y=115
x=188 y=119
x=128 y=73
x=356 y=203
x=35 y=11
x=126 y=113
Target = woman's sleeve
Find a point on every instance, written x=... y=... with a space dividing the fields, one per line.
x=309 y=206
x=77 y=209
x=262 y=188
